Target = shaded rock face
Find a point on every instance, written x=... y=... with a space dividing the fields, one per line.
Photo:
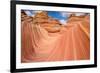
x=25 y=17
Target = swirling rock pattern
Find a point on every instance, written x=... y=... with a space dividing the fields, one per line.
x=45 y=39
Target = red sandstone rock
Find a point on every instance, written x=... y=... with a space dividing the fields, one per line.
x=46 y=22
x=39 y=45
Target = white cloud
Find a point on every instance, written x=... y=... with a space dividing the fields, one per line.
x=30 y=13
x=65 y=14
x=78 y=14
x=63 y=21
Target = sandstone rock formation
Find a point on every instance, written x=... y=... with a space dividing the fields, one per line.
x=25 y=17
x=42 y=41
x=47 y=22
x=83 y=19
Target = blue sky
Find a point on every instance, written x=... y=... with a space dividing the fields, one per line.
x=57 y=15
x=61 y=16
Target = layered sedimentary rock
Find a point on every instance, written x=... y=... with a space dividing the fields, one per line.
x=47 y=22
x=25 y=17
x=43 y=38
x=84 y=21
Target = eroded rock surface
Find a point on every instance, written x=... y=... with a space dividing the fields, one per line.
x=43 y=38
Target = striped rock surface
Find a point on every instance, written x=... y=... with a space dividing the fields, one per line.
x=42 y=42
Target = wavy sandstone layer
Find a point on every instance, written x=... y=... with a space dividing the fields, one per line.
x=45 y=39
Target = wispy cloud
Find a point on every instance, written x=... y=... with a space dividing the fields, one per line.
x=63 y=21
x=28 y=13
x=78 y=14
x=65 y=14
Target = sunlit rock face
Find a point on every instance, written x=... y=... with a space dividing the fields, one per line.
x=41 y=18
x=84 y=21
x=43 y=38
